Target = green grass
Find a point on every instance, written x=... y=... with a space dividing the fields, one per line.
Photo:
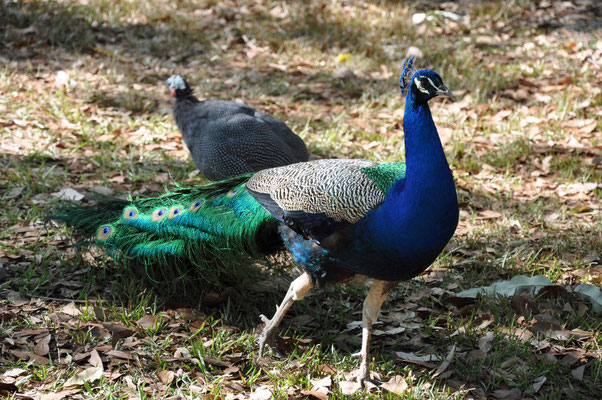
x=109 y=126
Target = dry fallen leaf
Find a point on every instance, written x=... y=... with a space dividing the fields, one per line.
x=511 y=394
x=13 y=373
x=71 y=310
x=120 y=354
x=446 y=362
x=321 y=383
x=147 y=321
x=68 y=193
x=28 y=355
x=475 y=355
x=539 y=381
x=485 y=342
x=166 y=376
x=42 y=347
x=261 y=393
x=315 y=394
x=88 y=375
x=488 y=214
x=59 y=395
x=552 y=292
x=519 y=333
x=396 y=385
x=522 y=304
x=349 y=387
x=578 y=372
x=413 y=357
x=95 y=360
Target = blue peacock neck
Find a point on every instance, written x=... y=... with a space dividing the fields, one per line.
x=426 y=165
x=420 y=213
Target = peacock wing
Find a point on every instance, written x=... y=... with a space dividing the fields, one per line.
x=320 y=198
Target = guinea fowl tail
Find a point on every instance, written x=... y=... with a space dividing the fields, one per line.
x=211 y=232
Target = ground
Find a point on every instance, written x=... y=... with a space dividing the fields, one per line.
x=84 y=110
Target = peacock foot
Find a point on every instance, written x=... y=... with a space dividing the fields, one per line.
x=296 y=291
x=267 y=336
x=365 y=378
x=363 y=375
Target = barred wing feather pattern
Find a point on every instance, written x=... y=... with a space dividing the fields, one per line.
x=339 y=189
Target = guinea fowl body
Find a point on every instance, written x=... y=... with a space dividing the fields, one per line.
x=227 y=139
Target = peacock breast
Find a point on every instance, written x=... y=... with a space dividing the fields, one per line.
x=399 y=242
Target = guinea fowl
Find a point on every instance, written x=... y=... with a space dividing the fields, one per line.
x=227 y=139
x=340 y=219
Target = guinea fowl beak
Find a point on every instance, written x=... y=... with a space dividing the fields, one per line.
x=444 y=91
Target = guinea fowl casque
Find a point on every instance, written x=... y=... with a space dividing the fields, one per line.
x=227 y=139
x=341 y=219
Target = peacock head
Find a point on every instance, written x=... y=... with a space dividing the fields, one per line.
x=422 y=85
x=178 y=87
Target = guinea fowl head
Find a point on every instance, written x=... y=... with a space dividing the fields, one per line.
x=178 y=87
x=422 y=85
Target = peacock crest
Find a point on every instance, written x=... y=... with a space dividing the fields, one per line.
x=406 y=74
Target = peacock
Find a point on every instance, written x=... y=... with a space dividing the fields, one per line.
x=227 y=139
x=341 y=219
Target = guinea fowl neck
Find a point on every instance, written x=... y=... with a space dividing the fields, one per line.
x=186 y=97
x=182 y=108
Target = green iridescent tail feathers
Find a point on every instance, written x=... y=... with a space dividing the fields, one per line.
x=209 y=227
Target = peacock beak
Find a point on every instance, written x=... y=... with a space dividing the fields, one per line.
x=444 y=91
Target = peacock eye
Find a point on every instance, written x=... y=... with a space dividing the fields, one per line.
x=233 y=192
x=196 y=205
x=104 y=232
x=130 y=213
x=174 y=211
x=158 y=215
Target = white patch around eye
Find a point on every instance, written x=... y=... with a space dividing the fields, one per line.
x=419 y=85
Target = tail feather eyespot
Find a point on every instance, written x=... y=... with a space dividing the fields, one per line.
x=130 y=213
x=175 y=211
x=159 y=214
x=233 y=192
x=196 y=205
x=104 y=232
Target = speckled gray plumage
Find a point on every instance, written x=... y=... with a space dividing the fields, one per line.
x=226 y=139
x=337 y=188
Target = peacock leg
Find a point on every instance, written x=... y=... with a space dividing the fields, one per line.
x=298 y=288
x=374 y=299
